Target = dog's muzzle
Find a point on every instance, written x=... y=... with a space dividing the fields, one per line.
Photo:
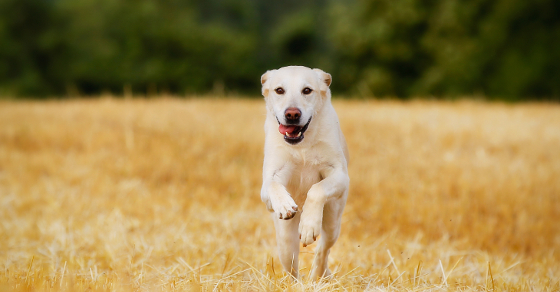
x=293 y=134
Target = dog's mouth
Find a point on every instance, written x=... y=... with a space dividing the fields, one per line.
x=293 y=134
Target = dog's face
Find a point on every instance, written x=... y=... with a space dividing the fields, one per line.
x=293 y=95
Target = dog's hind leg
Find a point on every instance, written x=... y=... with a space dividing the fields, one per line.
x=288 y=243
x=330 y=230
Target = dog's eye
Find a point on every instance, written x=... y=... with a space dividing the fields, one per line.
x=307 y=90
x=279 y=90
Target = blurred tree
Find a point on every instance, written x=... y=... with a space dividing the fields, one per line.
x=25 y=55
x=147 y=42
x=506 y=49
x=378 y=45
x=501 y=49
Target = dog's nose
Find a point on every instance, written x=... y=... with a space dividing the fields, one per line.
x=292 y=115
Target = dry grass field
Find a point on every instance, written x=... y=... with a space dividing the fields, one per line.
x=163 y=195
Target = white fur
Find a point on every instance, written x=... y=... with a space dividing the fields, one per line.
x=312 y=175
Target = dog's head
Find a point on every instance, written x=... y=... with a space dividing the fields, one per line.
x=294 y=95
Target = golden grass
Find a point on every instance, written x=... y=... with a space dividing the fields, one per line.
x=163 y=195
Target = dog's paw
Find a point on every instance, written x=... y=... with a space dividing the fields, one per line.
x=268 y=204
x=309 y=228
x=284 y=207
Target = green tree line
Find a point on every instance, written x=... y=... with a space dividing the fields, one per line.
x=499 y=49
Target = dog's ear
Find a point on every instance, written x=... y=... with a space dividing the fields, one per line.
x=264 y=79
x=325 y=77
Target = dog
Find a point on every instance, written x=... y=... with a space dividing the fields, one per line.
x=305 y=164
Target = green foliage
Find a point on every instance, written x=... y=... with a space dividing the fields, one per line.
x=150 y=44
x=505 y=49
x=24 y=46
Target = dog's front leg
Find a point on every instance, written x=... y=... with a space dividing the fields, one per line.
x=288 y=243
x=333 y=185
x=273 y=193
x=322 y=212
x=279 y=201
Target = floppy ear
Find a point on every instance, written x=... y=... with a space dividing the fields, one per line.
x=264 y=79
x=325 y=77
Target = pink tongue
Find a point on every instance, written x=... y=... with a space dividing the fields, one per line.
x=286 y=129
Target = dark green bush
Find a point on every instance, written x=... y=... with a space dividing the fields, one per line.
x=505 y=49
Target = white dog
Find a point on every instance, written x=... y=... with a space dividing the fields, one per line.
x=305 y=164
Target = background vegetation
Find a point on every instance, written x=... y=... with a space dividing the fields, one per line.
x=505 y=49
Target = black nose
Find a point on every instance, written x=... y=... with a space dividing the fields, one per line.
x=292 y=115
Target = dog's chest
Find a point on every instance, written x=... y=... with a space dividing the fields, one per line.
x=305 y=174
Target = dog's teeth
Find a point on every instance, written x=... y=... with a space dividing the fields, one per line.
x=299 y=134
x=288 y=134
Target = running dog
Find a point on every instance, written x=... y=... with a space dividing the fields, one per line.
x=305 y=170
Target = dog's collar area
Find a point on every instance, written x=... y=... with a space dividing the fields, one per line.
x=293 y=134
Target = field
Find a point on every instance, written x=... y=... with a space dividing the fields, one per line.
x=162 y=194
